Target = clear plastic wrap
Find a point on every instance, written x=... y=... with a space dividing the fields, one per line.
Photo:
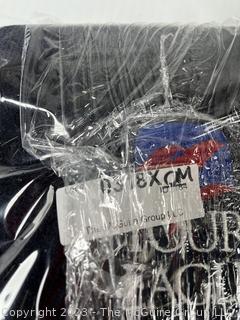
x=142 y=123
x=32 y=263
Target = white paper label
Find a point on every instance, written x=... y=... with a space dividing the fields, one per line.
x=114 y=205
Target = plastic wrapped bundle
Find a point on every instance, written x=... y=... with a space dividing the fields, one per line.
x=143 y=126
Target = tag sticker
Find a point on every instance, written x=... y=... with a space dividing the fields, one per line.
x=128 y=202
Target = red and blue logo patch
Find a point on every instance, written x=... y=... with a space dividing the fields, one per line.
x=181 y=143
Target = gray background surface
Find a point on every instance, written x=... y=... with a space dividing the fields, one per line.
x=118 y=11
